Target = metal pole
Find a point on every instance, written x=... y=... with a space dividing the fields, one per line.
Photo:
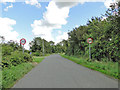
x=43 y=47
x=89 y=52
x=0 y=66
x=23 y=49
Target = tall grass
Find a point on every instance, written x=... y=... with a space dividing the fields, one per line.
x=38 y=59
x=109 y=68
x=11 y=75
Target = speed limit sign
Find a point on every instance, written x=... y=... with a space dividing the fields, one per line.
x=90 y=40
x=22 y=41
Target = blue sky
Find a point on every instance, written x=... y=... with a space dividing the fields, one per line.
x=49 y=20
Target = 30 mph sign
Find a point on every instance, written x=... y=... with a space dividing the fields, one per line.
x=90 y=40
x=22 y=41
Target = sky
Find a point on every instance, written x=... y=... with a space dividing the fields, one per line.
x=51 y=20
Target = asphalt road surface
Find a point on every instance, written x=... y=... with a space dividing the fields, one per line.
x=57 y=72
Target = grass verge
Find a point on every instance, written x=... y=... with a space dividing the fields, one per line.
x=12 y=75
x=108 y=68
x=38 y=59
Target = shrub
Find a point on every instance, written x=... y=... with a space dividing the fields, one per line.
x=6 y=50
x=27 y=57
x=15 y=58
x=37 y=53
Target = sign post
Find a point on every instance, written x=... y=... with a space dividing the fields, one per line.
x=90 y=41
x=22 y=42
x=43 y=47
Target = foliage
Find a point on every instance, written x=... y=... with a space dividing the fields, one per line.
x=15 y=58
x=37 y=44
x=6 y=50
x=105 y=34
x=37 y=53
x=109 y=68
x=14 y=73
x=38 y=59
x=12 y=55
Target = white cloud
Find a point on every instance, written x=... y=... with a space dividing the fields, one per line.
x=6 y=29
x=56 y=16
x=61 y=37
x=65 y=4
x=107 y=3
x=77 y=26
x=6 y=9
x=53 y=18
x=59 y=32
x=33 y=2
x=4 y=1
x=26 y=46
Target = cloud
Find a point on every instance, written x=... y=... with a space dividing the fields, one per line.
x=4 y=1
x=26 y=46
x=76 y=26
x=61 y=37
x=53 y=18
x=43 y=31
x=33 y=2
x=6 y=9
x=56 y=16
x=59 y=32
x=6 y=29
x=66 y=4
x=107 y=3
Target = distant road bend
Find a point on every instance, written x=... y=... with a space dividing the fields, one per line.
x=57 y=72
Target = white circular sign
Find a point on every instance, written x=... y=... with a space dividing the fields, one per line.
x=90 y=40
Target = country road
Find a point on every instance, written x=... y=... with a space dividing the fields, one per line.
x=57 y=72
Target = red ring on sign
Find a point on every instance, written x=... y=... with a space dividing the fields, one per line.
x=91 y=40
x=21 y=41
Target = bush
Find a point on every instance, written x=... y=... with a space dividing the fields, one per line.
x=15 y=58
x=6 y=50
x=37 y=53
x=27 y=57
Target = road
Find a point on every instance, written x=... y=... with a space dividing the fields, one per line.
x=57 y=72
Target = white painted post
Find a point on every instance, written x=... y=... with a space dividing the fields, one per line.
x=23 y=49
x=43 y=47
x=89 y=52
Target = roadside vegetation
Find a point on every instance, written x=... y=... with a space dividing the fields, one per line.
x=105 y=53
x=38 y=59
x=108 y=68
x=15 y=64
x=14 y=73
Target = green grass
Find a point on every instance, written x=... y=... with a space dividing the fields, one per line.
x=13 y=74
x=10 y=76
x=38 y=59
x=108 y=68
